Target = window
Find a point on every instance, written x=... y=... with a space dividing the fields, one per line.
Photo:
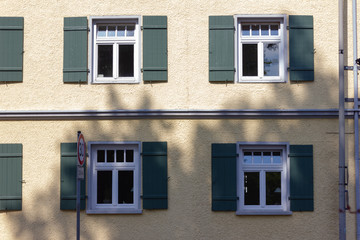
x=114 y=176
x=261 y=49
x=115 y=50
x=263 y=179
x=258 y=52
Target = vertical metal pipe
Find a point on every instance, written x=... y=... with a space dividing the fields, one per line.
x=342 y=215
x=356 y=120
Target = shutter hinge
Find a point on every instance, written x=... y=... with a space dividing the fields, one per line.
x=237 y=155
x=22 y=181
x=287 y=27
x=142 y=70
x=88 y=29
x=351 y=67
x=142 y=28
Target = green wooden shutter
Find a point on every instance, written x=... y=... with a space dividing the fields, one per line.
x=301 y=178
x=223 y=173
x=10 y=177
x=68 y=178
x=11 y=49
x=75 y=50
x=154 y=160
x=301 y=41
x=221 y=49
x=155 y=48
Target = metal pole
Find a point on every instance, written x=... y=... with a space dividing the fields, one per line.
x=342 y=215
x=356 y=120
x=78 y=186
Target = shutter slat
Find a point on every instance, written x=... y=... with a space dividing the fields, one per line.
x=223 y=174
x=155 y=189
x=221 y=49
x=75 y=50
x=155 y=49
x=68 y=178
x=11 y=49
x=301 y=178
x=11 y=177
x=301 y=51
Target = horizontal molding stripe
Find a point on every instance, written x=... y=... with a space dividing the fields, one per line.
x=174 y=114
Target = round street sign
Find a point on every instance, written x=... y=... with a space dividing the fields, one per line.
x=81 y=148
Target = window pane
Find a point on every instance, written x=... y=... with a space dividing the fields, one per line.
x=257 y=157
x=274 y=30
x=273 y=188
x=104 y=187
x=255 y=30
x=264 y=30
x=111 y=31
x=110 y=155
x=100 y=155
x=271 y=59
x=129 y=155
x=130 y=31
x=250 y=62
x=267 y=157
x=247 y=157
x=119 y=155
x=105 y=56
x=245 y=30
x=126 y=60
x=276 y=157
x=126 y=187
x=251 y=188
x=121 y=31
x=101 y=31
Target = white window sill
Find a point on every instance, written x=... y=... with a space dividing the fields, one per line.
x=113 y=80
x=113 y=211
x=263 y=212
x=262 y=81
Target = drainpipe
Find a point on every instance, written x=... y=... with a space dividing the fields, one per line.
x=356 y=120
x=342 y=215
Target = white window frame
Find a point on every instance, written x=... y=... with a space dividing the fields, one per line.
x=284 y=168
x=282 y=39
x=136 y=41
x=93 y=166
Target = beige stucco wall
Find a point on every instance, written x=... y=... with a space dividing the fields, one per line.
x=188 y=85
x=189 y=141
x=189 y=169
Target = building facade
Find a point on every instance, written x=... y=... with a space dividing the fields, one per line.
x=203 y=119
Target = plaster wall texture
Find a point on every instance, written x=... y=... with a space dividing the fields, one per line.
x=188 y=86
x=189 y=141
x=189 y=215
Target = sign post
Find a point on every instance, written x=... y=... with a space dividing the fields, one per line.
x=81 y=155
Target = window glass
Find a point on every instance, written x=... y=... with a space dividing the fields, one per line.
x=271 y=59
x=129 y=155
x=126 y=60
x=255 y=30
x=249 y=59
x=111 y=31
x=105 y=58
x=104 y=190
x=130 y=31
x=119 y=155
x=101 y=31
x=276 y=157
x=251 y=188
x=273 y=188
x=248 y=157
x=110 y=154
x=267 y=157
x=100 y=156
x=257 y=157
x=121 y=31
x=125 y=187
x=264 y=30
x=274 y=30
x=245 y=30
